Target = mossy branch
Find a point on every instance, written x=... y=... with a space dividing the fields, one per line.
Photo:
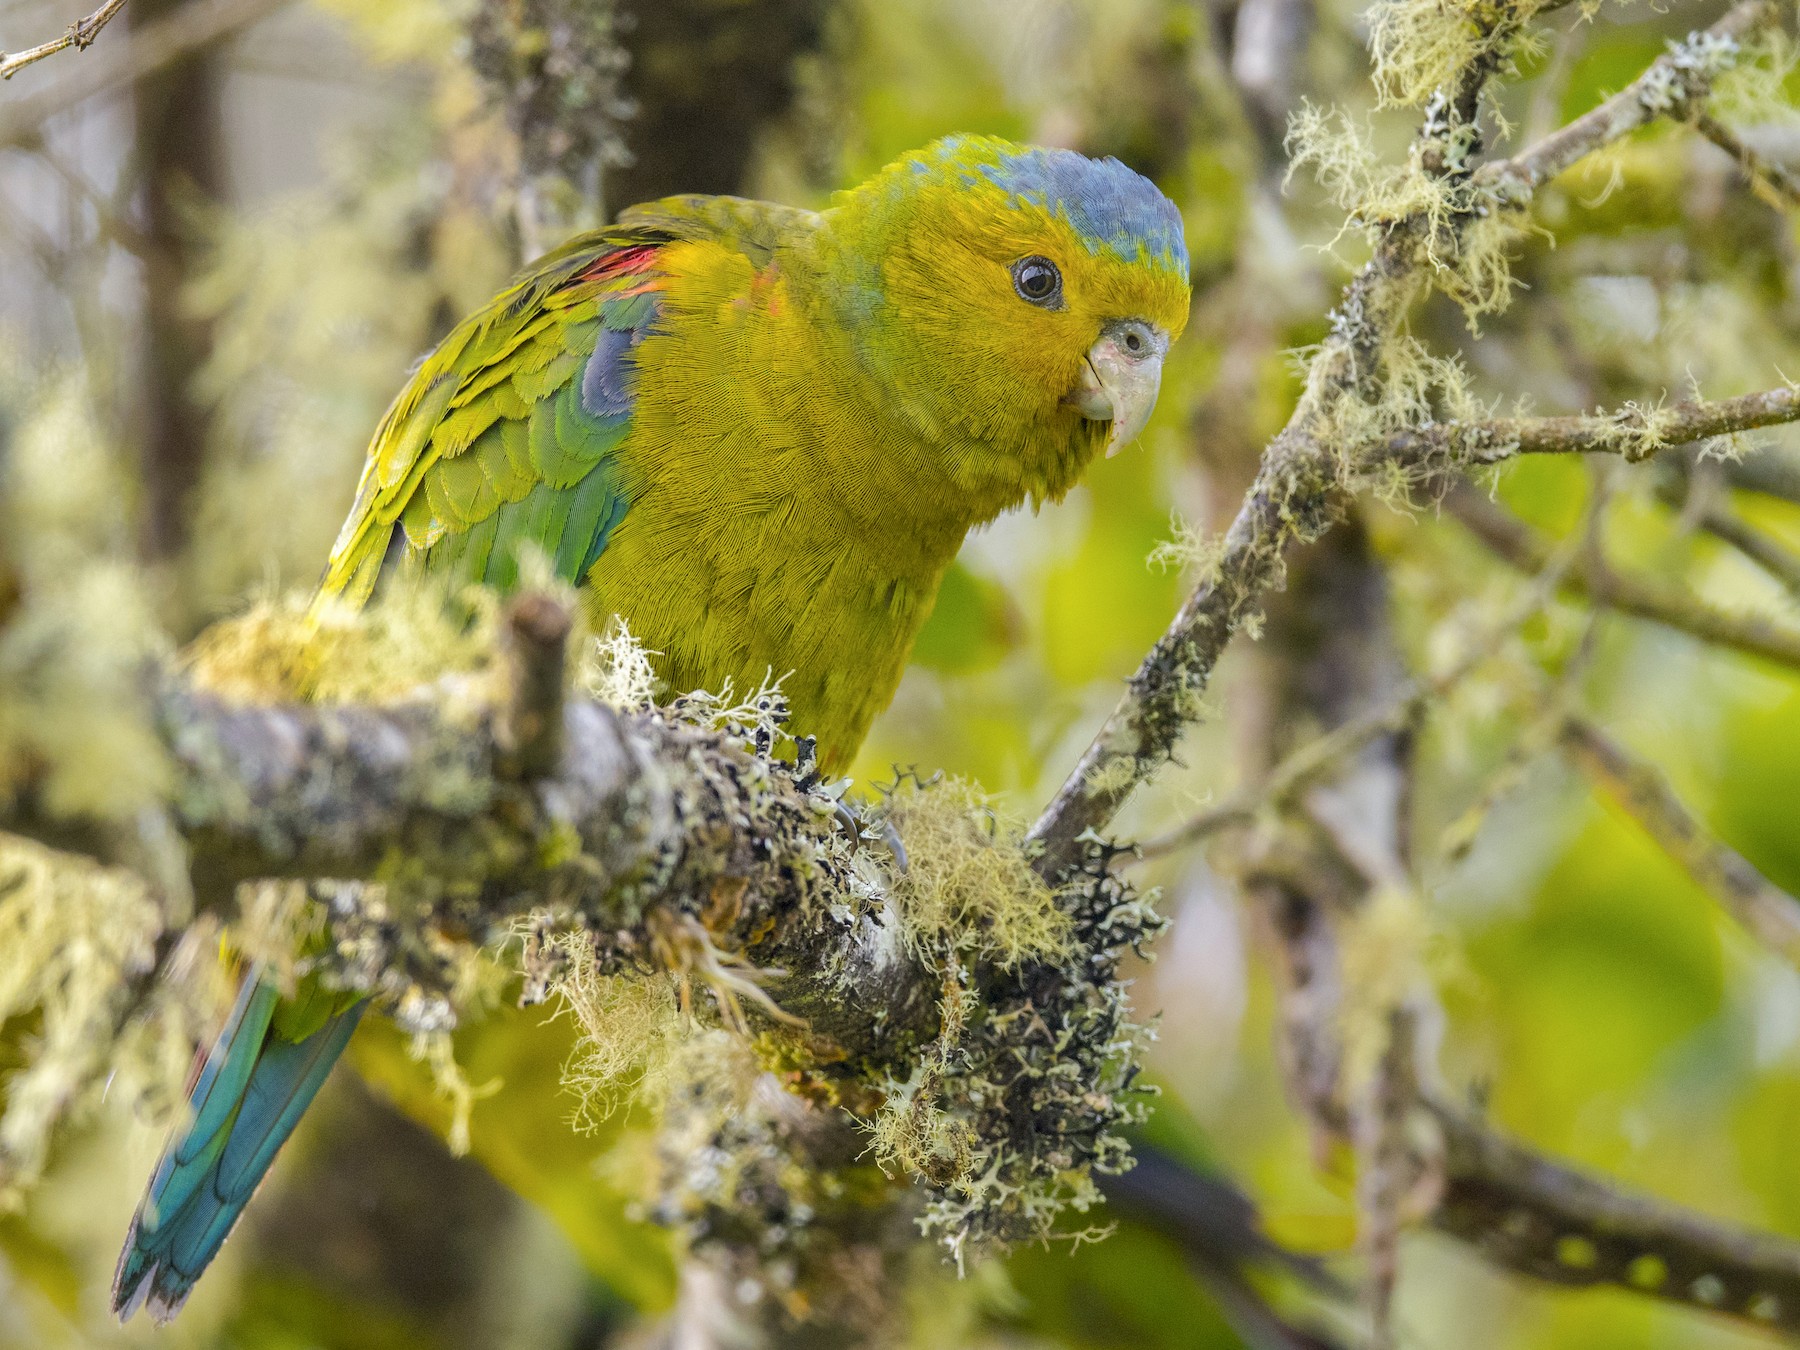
x=1634 y=432
x=964 y=1023
x=1675 y=83
x=637 y=811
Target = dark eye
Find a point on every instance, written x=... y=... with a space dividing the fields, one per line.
x=1037 y=280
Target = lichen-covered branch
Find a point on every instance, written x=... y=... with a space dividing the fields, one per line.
x=78 y=35
x=1676 y=82
x=1633 y=432
x=1763 y=908
x=1443 y=235
x=966 y=1022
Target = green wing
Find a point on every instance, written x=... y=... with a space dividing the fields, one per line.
x=506 y=433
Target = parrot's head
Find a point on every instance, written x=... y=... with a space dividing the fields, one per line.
x=1017 y=302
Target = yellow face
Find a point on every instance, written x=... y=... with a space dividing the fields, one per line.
x=1006 y=308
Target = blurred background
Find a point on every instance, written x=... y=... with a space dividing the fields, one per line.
x=229 y=228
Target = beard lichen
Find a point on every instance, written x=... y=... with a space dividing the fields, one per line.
x=1191 y=550
x=630 y=1027
x=967 y=884
x=1421 y=46
x=1022 y=1097
x=1464 y=228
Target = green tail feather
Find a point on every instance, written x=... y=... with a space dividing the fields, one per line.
x=246 y=1100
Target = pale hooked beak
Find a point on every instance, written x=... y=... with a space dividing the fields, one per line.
x=1119 y=379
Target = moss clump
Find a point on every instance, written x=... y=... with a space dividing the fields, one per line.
x=967 y=884
x=410 y=639
x=1023 y=1096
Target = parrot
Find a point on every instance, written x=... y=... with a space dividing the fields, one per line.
x=756 y=434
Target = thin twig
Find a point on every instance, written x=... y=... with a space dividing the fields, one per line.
x=1694 y=496
x=79 y=35
x=1518 y=544
x=1307 y=764
x=189 y=28
x=1769 y=180
x=1766 y=552
x=1767 y=911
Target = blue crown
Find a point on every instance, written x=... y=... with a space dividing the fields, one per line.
x=1107 y=204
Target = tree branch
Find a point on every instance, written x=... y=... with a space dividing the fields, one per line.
x=1769 y=180
x=188 y=29
x=1517 y=544
x=1527 y=1213
x=640 y=811
x=1675 y=82
x=1764 y=909
x=1694 y=490
x=1633 y=432
x=79 y=34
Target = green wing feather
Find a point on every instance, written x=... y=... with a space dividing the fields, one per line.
x=506 y=434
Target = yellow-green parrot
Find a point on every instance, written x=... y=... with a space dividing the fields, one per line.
x=756 y=434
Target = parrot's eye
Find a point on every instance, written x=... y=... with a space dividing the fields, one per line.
x=1037 y=280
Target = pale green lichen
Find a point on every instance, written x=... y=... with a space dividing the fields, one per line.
x=1191 y=550
x=77 y=946
x=1753 y=90
x=1464 y=228
x=1421 y=46
x=1637 y=430
x=1690 y=67
x=615 y=668
x=967 y=884
x=913 y=1134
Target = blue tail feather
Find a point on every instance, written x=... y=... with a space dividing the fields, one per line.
x=245 y=1101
